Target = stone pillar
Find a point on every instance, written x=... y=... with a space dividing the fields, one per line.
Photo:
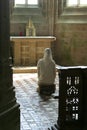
x=56 y=10
x=26 y=2
x=40 y=2
x=9 y=109
x=51 y=16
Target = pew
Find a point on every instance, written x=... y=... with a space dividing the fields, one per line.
x=72 y=110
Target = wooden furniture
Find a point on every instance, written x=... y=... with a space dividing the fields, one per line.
x=72 y=109
x=27 y=50
x=72 y=113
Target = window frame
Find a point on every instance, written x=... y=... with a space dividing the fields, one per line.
x=26 y=2
x=78 y=4
x=67 y=12
x=36 y=3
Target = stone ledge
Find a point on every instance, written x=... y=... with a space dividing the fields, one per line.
x=24 y=69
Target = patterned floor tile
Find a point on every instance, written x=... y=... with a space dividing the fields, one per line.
x=36 y=113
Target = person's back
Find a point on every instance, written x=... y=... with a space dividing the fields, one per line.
x=46 y=70
x=46 y=74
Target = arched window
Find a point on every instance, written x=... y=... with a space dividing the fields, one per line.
x=76 y=2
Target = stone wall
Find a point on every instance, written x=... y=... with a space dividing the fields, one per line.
x=71 y=47
x=19 y=17
x=70 y=31
x=71 y=34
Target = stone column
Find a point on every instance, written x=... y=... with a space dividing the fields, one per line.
x=51 y=17
x=61 y=5
x=26 y=2
x=9 y=109
x=56 y=11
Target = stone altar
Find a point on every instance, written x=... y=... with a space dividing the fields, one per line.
x=28 y=49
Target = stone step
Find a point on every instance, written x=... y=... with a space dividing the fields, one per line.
x=24 y=69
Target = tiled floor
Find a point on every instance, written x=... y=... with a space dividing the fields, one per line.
x=36 y=113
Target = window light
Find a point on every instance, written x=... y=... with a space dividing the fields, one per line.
x=19 y=2
x=34 y=2
x=83 y=2
x=71 y=2
x=76 y=2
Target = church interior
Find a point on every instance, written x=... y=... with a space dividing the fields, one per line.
x=27 y=27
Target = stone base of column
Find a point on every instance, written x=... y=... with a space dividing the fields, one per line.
x=10 y=119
